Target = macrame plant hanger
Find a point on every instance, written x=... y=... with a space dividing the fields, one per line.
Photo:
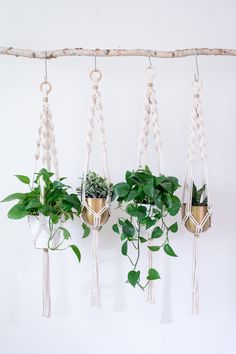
x=196 y=219
x=46 y=153
x=150 y=117
x=95 y=120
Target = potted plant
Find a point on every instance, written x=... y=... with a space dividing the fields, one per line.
x=96 y=190
x=149 y=200
x=199 y=209
x=48 y=203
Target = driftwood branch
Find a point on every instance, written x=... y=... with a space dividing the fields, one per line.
x=52 y=54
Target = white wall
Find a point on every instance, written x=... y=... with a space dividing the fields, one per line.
x=125 y=323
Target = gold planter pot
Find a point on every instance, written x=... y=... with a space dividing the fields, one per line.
x=199 y=213
x=96 y=204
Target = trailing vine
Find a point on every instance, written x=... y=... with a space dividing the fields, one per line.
x=149 y=200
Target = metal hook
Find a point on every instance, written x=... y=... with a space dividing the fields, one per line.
x=95 y=62
x=46 y=67
x=196 y=75
x=150 y=63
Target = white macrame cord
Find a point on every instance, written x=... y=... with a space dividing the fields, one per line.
x=46 y=152
x=96 y=119
x=150 y=117
x=197 y=135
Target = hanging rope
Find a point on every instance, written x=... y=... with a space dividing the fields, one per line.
x=46 y=151
x=96 y=119
x=195 y=276
x=197 y=135
x=150 y=117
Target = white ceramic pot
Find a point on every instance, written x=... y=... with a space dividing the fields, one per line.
x=40 y=233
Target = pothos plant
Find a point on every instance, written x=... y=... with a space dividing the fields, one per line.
x=148 y=201
x=58 y=205
x=95 y=186
x=197 y=196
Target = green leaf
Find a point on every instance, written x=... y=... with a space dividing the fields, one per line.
x=199 y=193
x=132 y=195
x=115 y=228
x=33 y=204
x=153 y=274
x=86 y=230
x=54 y=218
x=66 y=233
x=73 y=200
x=174 y=227
x=127 y=177
x=121 y=189
x=154 y=248
x=13 y=196
x=127 y=227
x=76 y=251
x=18 y=211
x=23 y=179
x=123 y=236
x=148 y=222
x=169 y=250
x=167 y=186
x=148 y=189
x=142 y=239
x=124 y=248
x=137 y=211
x=133 y=277
x=157 y=232
x=159 y=180
x=176 y=204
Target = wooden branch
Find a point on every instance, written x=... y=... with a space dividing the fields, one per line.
x=52 y=54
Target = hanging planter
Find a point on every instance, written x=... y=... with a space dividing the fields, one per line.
x=46 y=217
x=95 y=190
x=150 y=199
x=199 y=212
x=48 y=203
x=196 y=205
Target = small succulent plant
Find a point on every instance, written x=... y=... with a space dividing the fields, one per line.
x=197 y=196
x=96 y=186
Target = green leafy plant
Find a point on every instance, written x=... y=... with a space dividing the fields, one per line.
x=197 y=196
x=149 y=200
x=58 y=204
x=95 y=186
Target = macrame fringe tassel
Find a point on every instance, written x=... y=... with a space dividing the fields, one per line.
x=95 y=290
x=150 y=292
x=46 y=285
x=195 y=299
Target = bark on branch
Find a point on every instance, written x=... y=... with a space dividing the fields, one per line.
x=52 y=54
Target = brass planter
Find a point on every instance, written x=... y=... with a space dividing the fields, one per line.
x=199 y=213
x=96 y=204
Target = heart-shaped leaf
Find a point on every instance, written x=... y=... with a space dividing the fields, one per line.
x=157 y=232
x=124 y=248
x=86 y=230
x=115 y=228
x=169 y=250
x=153 y=274
x=133 y=277
x=174 y=227
x=154 y=248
